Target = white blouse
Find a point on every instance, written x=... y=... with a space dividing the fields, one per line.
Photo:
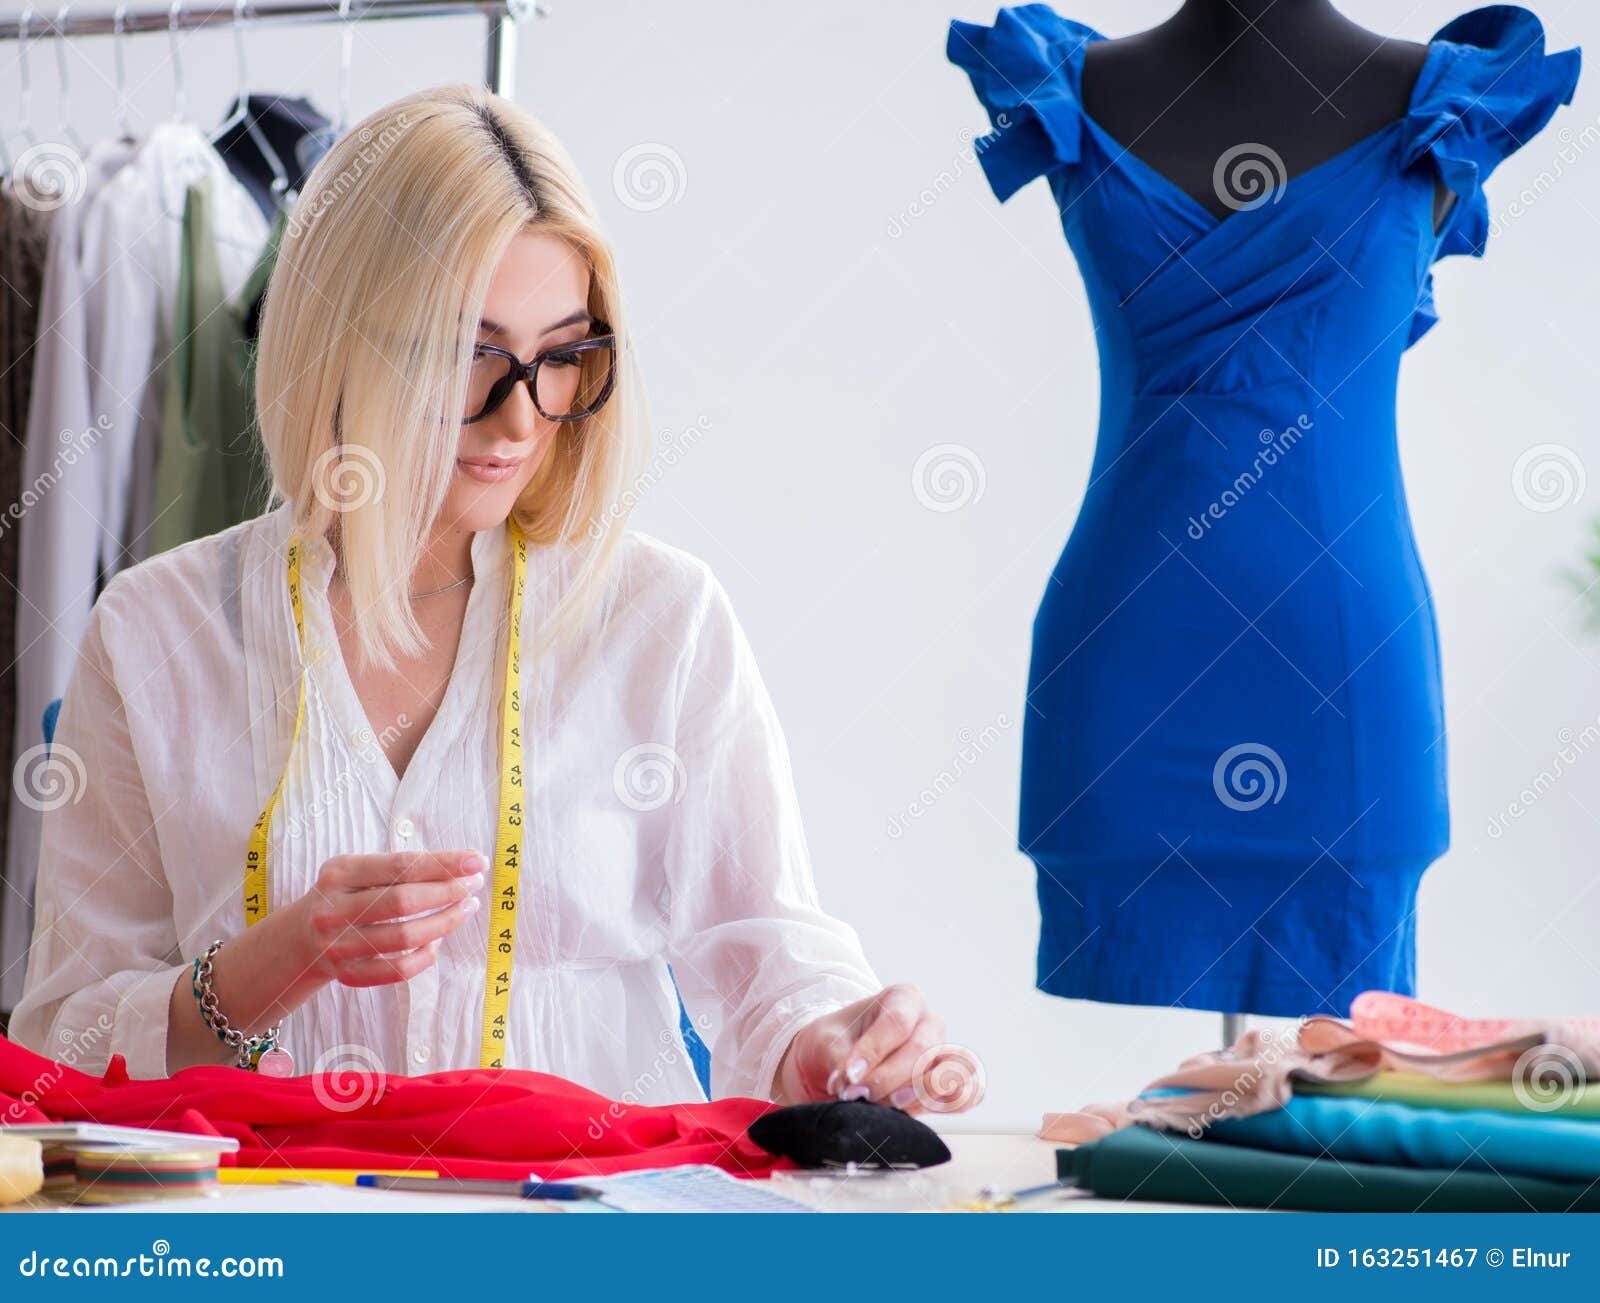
x=661 y=815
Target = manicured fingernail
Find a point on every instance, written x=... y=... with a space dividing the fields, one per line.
x=470 y=905
x=475 y=881
x=855 y=1070
x=474 y=860
x=855 y=1092
x=903 y=1096
x=833 y=1082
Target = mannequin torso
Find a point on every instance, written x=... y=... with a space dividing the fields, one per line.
x=1295 y=76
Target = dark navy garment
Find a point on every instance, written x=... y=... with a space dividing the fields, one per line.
x=1234 y=750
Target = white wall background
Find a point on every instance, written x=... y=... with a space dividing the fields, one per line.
x=830 y=291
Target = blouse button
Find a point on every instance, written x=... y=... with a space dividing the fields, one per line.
x=404 y=829
x=420 y=1054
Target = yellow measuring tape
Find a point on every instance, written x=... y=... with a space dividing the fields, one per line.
x=508 y=837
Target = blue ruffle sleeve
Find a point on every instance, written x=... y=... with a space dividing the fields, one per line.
x=1023 y=70
x=1493 y=89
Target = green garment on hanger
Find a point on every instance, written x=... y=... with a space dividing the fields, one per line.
x=1156 y=1166
x=211 y=471
x=1578 y=1101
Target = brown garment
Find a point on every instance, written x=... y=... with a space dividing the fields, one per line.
x=24 y=233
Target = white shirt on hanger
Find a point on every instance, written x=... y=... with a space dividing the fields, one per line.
x=58 y=531
x=101 y=383
x=662 y=824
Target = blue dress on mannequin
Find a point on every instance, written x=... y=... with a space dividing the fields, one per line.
x=1233 y=752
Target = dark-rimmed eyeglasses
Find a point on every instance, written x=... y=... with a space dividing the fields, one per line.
x=567 y=382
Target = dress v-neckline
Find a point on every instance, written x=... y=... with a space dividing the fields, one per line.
x=1271 y=198
x=345 y=701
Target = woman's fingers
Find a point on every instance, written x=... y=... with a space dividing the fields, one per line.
x=355 y=872
x=894 y=1080
x=397 y=900
x=380 y=970
x=889 y=1020
x=394 y=937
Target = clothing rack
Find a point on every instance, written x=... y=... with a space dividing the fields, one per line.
x=500 y=51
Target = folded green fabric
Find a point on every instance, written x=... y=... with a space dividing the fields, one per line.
x=1156 y=1166
x=1560 y=1100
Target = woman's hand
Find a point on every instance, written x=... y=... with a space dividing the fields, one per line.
x=356 y=922
x=351 y=927
x=889 y=1048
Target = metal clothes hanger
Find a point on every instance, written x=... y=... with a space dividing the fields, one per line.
x=346 y=51
x=64 y=126
x=240 y=9
x=119 y=36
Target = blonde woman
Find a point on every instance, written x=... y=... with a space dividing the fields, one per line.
x=434 y=765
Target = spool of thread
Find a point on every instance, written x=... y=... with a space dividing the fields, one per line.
x=60 y=1170
x=130 y=1176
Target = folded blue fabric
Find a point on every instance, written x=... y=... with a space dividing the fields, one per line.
x=1378 y=1131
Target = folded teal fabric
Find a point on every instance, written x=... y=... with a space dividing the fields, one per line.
x=1378 y=1131
x=1138 y=1163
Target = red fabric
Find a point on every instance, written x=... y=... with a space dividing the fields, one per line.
x=484 y=1122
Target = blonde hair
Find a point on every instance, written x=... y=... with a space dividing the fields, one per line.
x=366 y=341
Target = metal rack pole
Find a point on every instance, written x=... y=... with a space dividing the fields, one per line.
x=502 y=17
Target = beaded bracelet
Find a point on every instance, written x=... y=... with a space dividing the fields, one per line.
x=255 y=1053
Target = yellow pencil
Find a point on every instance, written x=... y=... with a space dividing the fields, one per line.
x=325 y=1175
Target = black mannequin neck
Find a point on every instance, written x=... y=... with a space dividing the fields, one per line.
x=1223 y=22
